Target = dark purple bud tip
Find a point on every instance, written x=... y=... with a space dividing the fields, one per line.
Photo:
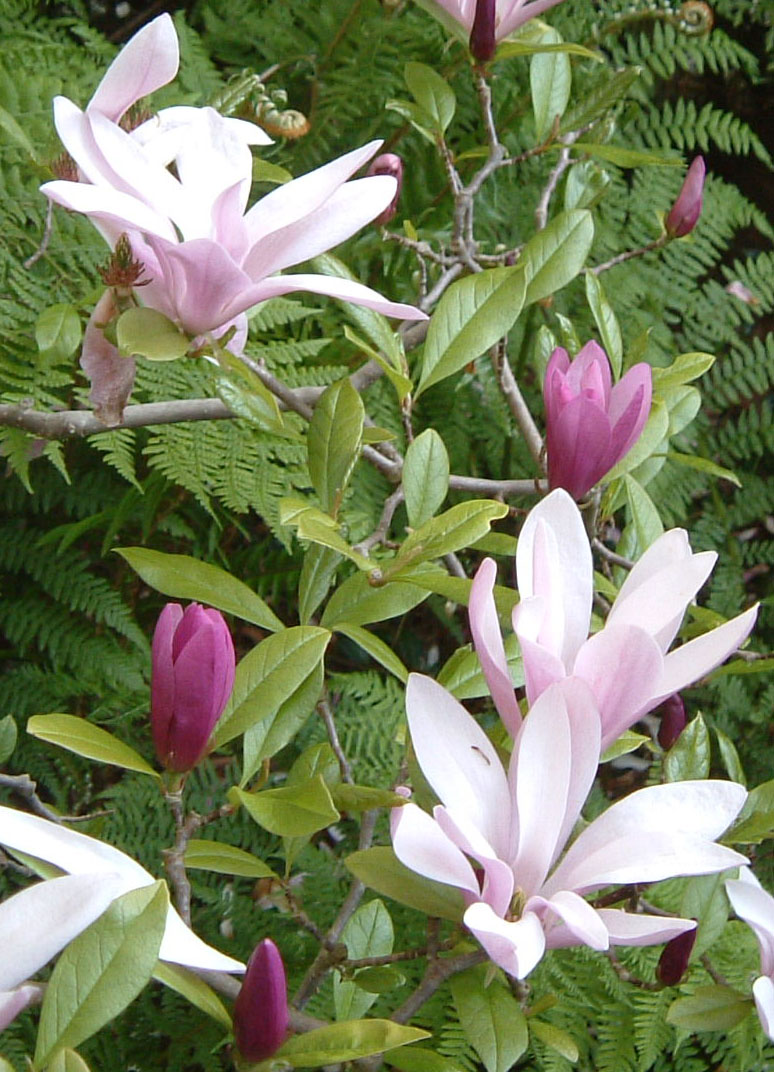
x=261 y=1016
x=684 y=214
x=388 y=164
x=673 y=719
x=482 y=36
x=673 y=962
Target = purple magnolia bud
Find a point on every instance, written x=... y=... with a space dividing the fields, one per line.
x=684 y=214
x=591 y=425
x=482 y=35
x=673 y=719
x=673 y=962
x=192 y=676
x=388 y=164
x=261 y=1009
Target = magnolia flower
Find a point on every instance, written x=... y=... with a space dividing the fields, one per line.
x=752 y=904
x=522 y=896
x=591 y=425
x=261 y=1016
x=684 y=214
x=627 y=663
x=97 y=863
x=458 y=16
x=388 y=164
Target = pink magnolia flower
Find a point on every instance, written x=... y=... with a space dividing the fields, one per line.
x=261 y=1016
x=458 y=16
x=523 y=896
x=627 y=664
x=388 y=164
x=755 y=906
x=591 y=425
x=684 y=214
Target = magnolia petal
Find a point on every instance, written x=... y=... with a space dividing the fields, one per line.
x=335 y=287
x=590 y=370
x=698 y=657
x=41 y=920
x=578 y=442
x=763 y=992
x=626 y=928
x=557 y=565
x=756 y=907
x=458 y=759
x=498 y=877
x=76 y=134
x=181 y=946
x=101 y=202
x=12 y=1002
x=518 y=13
x=585 y=746
x=670 y=548
x=147 y=62
x=629 y=408
x=420 y=843
x=579 y=920
x=488 y=642
x=516 y=947
x=541 y=667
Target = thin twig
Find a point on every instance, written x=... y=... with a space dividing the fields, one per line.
x=379 y=534
x=611 y=556
x=657 y=243
x=26 y=788
x=326 y=713
x=520 y=411
x=44 y=240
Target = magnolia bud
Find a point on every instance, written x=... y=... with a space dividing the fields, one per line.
x=261 y=1009
x=193 y=666
x=482 y=35
x=685 y=212
x=673 y=719
x=673 y=962
x=388 y=164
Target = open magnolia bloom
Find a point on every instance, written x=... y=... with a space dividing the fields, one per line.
x=97 y=863
x=755 y=906
x=523 y=896
x=509 y=14
x=627 y=663
x=205 y=258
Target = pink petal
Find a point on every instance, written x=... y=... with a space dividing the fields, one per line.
x=591 y=366
x=756 y=907
x=516 y=947
x=147 y=62
x=203 y=281
x=556 y=392
x=581 y=920
x=519 y=13
x=629 y=409
x=335 y=287
x=698 y=657
x=122 y=210
x=420 y=844
x=763 y=992
x=585 y=746
x=578 y=442
x=669 y=549
x=12 y=1002
x=498 y=877
x=488 y=642
x=626 y=928
x=541 y=667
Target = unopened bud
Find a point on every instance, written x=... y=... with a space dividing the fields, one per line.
x=261 y=1017
x=673 y=719
x=482 y=35
x=388 y=164
x=673 y=962
x=686 y=210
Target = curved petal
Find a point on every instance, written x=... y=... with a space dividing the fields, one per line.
x=488 y=642
x=12 y=1002
x=420 y=843
x=541 y=668
x=698 y=657
x=147 y=62
x=670 y=548
x=520 y=13
x=202 y=281
x=516 y=947
x=756 y=907
x=102 y=202
x=498 y=878
x=763 y=992
x=578 y=442
x=629 y=408
x=334 y=286
x=585 y=745
x=181 y=946
x=458 y=759
x=626 y=928
x=580 y=921
x=590 y=372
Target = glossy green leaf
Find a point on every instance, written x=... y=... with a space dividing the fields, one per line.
x=79 y=736
x=268 y=676
x=318 y=527
x=590 y=105
x=629 y=741
x=418 y=117
x=508 y=49
x=247 y=397
x=348 y=797
x=556 y=255
x=496 y=543
x=471 y=316
x=606 y=321
x=368 y=933
x=491 y=1017
x=102 y=970
x=756 y=819
x=627 y=158
x=358 y=602
x=292 y=811
x=380 y=979
x=8 y=737
x=224 y=859
x=710 y=1008
x=645 y=517
x=381 y=870
x=193 y=989
x=705 y=900
x=425 y=476
x=65 y=1060
x=58 y=330
x=346 y=1042
x=333 y=442
x=432 y=93
x=435 y=579
x=684 y=369
x=555 y=1038
x=183 y=577
x=317 y=574
x=265 y=171
x=397 y=377
x=585 y=185
x=375 y=647
x=458 y=527
x=420 y=1059
x=704 y=465
x=689 y=757
x=150 y=334
x=267 y=737
x=730 y=757
x=550 y=78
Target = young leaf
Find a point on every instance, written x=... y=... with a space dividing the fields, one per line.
x=432 y=93
x=710 y=1008
x=182 y=577
x=150 y=334
x=458 y=527
x=554 y=256
x=267 y=737
x=555 y=1038
x=684 y=369
x=627 y=158
x=358 y=602
x=381 y=870
x=550 y=77
x=705 y=900
x=462 y=676
x=103 y=970
x=8 y=736
x=293 y=811
x=224 y=859
x=606 y=321
x=645 y=516
x=193 y=989
x=58 y=330
x=425 y=476
x=491 y=1017
x=689 y=757
x=756 y=819
x=346 y=1042
x=79 y=736
x=66 y=1060
x=317 y=573
x=420 y=1059
x=367 y=934
x=333 y=442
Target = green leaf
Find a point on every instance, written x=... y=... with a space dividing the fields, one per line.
x=434 y=579
x=555 y=1038
x=491 y=1018
x=381 y=870
x=462 y=676
x=333 y=442
x=689 y=757
x=8 y=736
x=756 y=819
x=627 y=158
x=418 y=117
x=247 y=397
x=645 y=516
x=65 y=1060
x=550 y=77
x=397 y=377
x=704 y=465
x=420 y=1059
x=629 y=741
x=264 y=171
x=432 y=93
x=508 y=49
x=684 y=369
x=320 y=528
x=268 y=676
x=379 y=979
x=79 y=736
x=425 y=476
x=58 y=330
x=368 y=933
x=102 y=970
x=358 y=602
x=496 y=543
x=710 y=1008
x=730 y=757
x=375 y=647
x=317 y=573
x=193 y=989
x=374 y=325
x=458 y=527
x=183 y=577
x=348 y=797
x=150 y=334
x=346 y=1042
x=554 y=256
x=224 y=859
x=705 y=900
x=267 y=737
x=471 y=316
x=606 y=321
x=293 y=811
x=585 y=185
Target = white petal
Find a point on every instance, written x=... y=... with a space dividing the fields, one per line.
x=498 y=883
x=581 y=924
x=181 y=946
x=102 y=202
x=763 y=992
x=488 y=642
x=420 y=844
x=12 y=1002
x=628 y=928
x=698 y=657
x=335 y=287
x=756 y=907
x=516 y=947
x=147 y=62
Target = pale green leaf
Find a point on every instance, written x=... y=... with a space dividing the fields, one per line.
x=606 y=321
x=8 y=736
x=550 y=77
x=554 y=256
x=333 y=442
x=689 y=757
x=381 y=870
x=79 y=736
x=425 y=476
x=645 y=517
x=627 y=158
x=193 y=989
x=359 y=602
x=346 y=1042
x=58 y=330
x=368 y=933
x=292 y=811
x=317 y=573
x=432 y=93
x=150 y=334
x=65 y=1060
x=224 y=859
x=375 y=647
x=491 y=1018
x=710 y=1008
x=267 y=737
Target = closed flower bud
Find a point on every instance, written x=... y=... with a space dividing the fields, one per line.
x=261 y=1009
x=673 y=962
x=591 y=425
x=192 y=676
x=388 y=164
x=673 y=719
x=685 y=212
x=482 y=36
